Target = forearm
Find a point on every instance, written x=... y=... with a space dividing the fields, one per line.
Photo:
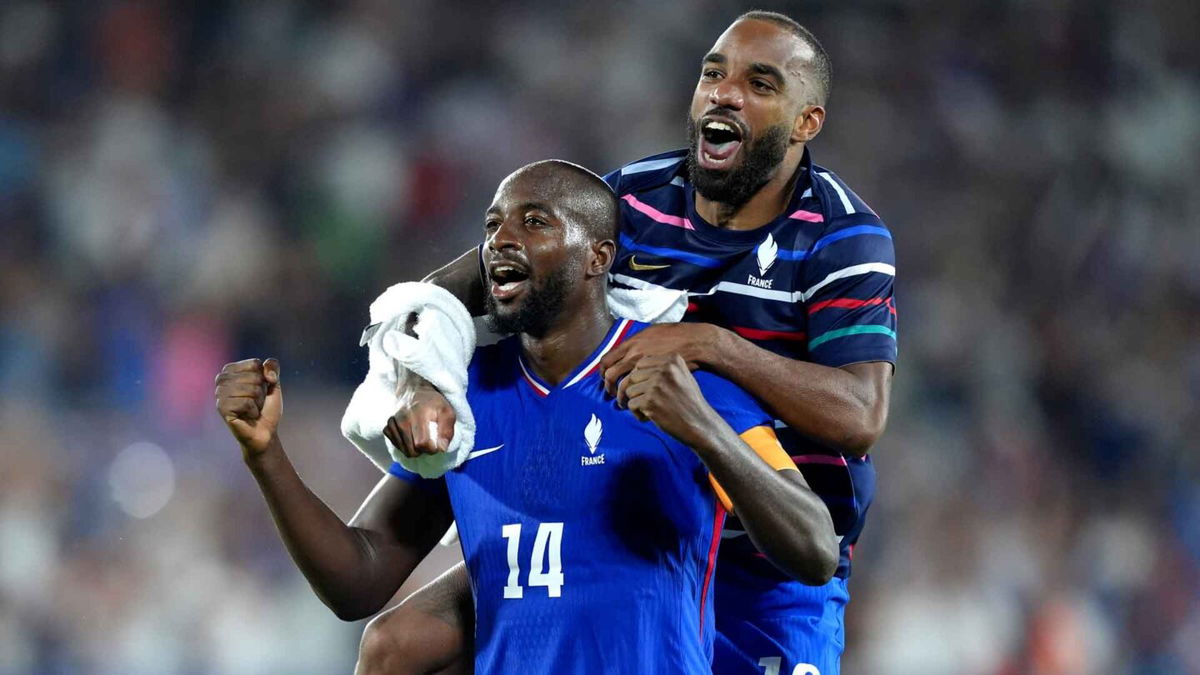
x=349 y=568
x=831 y=406
x=784 y=518
x=462 y=278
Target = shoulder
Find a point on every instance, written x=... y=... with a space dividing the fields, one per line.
x=647 y=173
x=492 y=364
x=836 y=198
x=738 y=408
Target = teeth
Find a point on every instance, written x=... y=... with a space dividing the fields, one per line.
x=508 y=286
x=719 y=126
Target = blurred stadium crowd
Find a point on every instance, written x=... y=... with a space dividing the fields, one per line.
x=187 y=183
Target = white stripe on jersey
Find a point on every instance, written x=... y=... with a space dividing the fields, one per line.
x=753 y=291
x=853 y=270
x=766 y=293
x=536 y=385
x=617 y=333
x=841 y=193
x=650 y=165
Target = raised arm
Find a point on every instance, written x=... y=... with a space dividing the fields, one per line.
x=844 y=409
x=464 y=279
x=355 y=569
x=784 y=518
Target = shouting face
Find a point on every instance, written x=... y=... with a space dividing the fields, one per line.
x=548 y=235
x=751 y=105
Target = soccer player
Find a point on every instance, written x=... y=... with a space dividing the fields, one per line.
x=791 y=280
x=590 y=530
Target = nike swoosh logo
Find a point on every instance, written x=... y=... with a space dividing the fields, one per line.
x=481 y=453
x=633 y=265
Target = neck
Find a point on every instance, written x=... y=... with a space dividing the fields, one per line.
x=569 y=340
x=766 y=204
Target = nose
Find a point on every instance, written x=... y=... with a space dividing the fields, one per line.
x=726 y=94
x=505 y=236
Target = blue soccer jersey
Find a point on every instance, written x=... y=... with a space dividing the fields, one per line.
x=590 y=537
x=814 y=284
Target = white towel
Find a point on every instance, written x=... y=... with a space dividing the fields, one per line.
x=648 y=303
x=440 y=354
x=446 y=340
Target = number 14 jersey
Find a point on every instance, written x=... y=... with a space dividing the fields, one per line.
x=590 y=537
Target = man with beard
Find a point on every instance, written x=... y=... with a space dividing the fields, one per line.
x=790 y=280
x=590 y=530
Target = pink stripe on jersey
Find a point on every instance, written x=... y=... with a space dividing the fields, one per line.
x=656 y=215
x=807 y=216
x=819 y=459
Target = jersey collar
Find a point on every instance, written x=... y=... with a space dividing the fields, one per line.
x=615 y=335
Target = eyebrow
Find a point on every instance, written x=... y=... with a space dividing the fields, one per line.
x=768 y=70
x=757 y=67
x=526 y=206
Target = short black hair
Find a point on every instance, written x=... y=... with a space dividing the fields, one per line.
x=589 y=197
x=820 y=65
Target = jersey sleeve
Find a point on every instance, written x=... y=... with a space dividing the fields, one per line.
x=740 y=410
x=848 y=293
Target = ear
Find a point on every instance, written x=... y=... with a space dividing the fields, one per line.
x=808 y=124
x=604 y=252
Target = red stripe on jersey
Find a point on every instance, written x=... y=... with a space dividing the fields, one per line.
x=850 y=303
x=718 y=523
x=756 y=334
x=536 y=387
x=619 y=339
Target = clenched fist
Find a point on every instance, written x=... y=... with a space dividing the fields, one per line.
x=250 y=400
x=662 y=389
x=424 y=424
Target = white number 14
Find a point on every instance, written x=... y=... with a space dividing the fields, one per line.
x=549 y=536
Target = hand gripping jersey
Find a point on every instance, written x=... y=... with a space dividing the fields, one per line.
x=814 y=284
x=590 y=537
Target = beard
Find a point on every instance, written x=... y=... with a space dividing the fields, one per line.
x=736 y=186
x=534 y=313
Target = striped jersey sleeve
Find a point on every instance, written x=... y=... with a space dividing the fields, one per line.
x=848 y=284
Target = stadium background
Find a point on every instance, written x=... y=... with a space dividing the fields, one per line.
x=187 y=183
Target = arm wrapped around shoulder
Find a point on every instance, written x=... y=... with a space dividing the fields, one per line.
x=439 y=353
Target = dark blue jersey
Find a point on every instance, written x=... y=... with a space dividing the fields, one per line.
x=590 y=537
x=814 y=284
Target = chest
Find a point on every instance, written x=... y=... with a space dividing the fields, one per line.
x=750 y=282
x=571 y=455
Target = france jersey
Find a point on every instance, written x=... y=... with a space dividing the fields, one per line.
x=590 y=538
x=814 y=284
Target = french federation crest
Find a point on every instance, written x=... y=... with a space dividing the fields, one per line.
x=766 y=253
x=592 y=433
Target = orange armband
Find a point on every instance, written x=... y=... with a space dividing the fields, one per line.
x=763 y=441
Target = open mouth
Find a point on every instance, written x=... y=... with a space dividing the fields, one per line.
x=720 y=140
x=508 y=279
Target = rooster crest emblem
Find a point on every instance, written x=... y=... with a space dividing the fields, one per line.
x=766 y=253
x=592 y=433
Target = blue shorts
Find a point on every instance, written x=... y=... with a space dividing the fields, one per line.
x=803 y=637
